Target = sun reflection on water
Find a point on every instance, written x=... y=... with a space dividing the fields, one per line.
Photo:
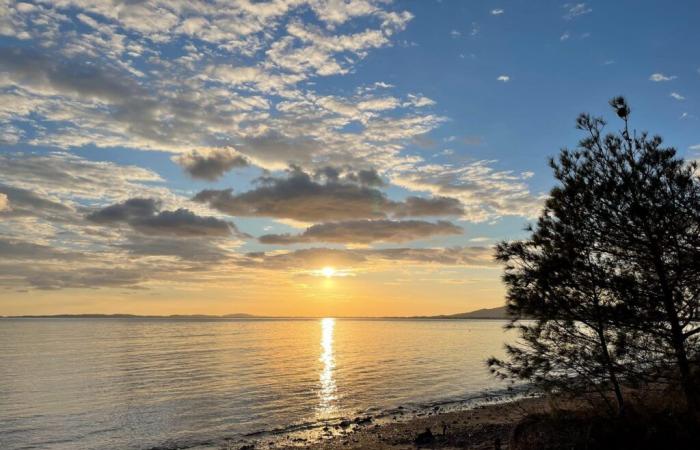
x=328 y=389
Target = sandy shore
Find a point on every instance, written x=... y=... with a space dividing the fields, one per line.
x=482 y=427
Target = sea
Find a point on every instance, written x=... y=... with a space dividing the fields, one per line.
x=210 y=383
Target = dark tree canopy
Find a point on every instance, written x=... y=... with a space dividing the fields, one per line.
x=610 y=274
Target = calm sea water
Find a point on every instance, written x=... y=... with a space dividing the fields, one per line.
x=145 y=383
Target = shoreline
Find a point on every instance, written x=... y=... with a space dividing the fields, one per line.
x=482 y=424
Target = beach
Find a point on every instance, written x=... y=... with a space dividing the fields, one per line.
x=486 y=426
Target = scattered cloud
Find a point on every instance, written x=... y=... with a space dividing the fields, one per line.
x=657 y=77
x=503 y=78
x=216 y=89
x=455 y=34
x=212 y=164
x=677 y=96
x=484 y=192
x=574 y=10
x=565 y=36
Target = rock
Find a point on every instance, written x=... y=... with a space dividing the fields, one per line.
x=345 y=424
x=424 y=438
x=363 y=420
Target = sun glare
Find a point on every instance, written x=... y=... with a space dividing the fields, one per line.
x=328 y=272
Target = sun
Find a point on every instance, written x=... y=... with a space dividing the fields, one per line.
x=328 y=271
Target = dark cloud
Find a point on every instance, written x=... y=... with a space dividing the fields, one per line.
x=366 y=231
x=130 y=210
x=211 y=165
x=364 y=177
x=142 y=215
x=368 y=177
x=300 y=197
x=19 y=202
x=13 y=249
x=29 y=67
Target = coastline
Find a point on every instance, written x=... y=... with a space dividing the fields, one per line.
x=481 y=425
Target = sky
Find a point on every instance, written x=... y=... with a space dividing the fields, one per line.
x=305 y=157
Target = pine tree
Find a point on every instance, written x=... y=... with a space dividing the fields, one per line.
x=616 y=253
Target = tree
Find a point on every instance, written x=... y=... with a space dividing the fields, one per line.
x=646 y=216
x=562 y=302
x=626 y=217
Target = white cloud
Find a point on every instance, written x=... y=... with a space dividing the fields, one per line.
x=497 y=11
x=576 y=10
x=661 y=77
x=455 y=34
x=102 y=74
x=694 y=147
x=564 y=36
x=677 y=96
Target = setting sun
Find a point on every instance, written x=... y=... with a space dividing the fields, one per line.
x=328 y=271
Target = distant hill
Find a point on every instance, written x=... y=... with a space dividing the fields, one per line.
x=135 y=316
x=486 y=313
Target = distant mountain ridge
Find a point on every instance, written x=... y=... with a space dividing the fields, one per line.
x=486 y=313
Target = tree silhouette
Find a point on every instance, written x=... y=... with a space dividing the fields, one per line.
x=612 y=270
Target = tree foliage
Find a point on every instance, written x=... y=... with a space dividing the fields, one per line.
x=607 y=287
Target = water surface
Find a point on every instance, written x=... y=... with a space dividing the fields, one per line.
x=144 y=383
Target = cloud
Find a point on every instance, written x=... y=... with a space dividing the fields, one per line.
x=661 y=77
x=576 y=10
x=4 y=202
x=49 y=244
x=484 y=192
x=300 y=197
x=565 y=36
x=12 y=249
x=69 y=176
x=22 y=203
x=497 y=12
x=503 y=78
x=313 y=258
x=143 y=215
x=366 y=232
x=29 y=67
x=421 y=207
x=455 y=34
x=677 y=96
x=211 y=165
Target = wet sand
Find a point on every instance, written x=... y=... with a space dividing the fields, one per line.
x=482 y=427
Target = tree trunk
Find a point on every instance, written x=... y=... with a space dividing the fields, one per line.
x=611 y=371
x=677 y=339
